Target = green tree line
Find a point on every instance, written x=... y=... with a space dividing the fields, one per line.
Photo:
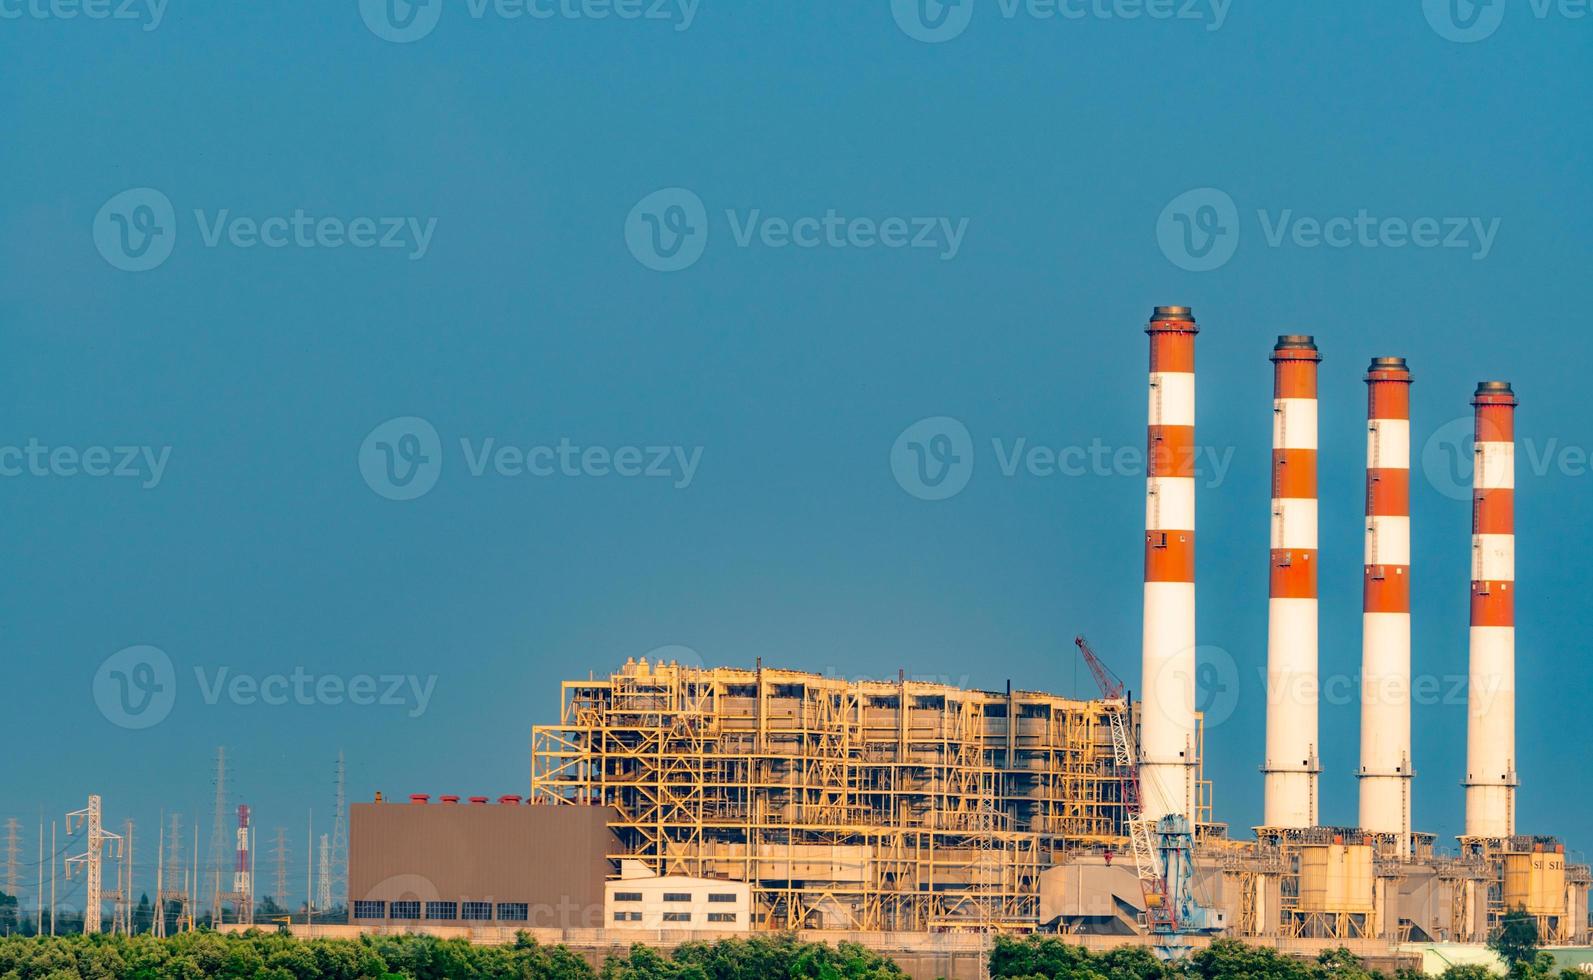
x=278 y=956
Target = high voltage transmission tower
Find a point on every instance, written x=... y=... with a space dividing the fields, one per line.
x=323 y=888
x=279 y=854
x=171 y=878
x=122 y=896
x=14 y=919
x=339 y=889
x=218 y=835
x=90 y=819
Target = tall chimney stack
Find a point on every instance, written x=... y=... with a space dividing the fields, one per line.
x=1385 y=772
x=1491 y=702
x=1292 y=763
x=1167 y=724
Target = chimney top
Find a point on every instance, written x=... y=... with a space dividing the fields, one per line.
x=1172 y=313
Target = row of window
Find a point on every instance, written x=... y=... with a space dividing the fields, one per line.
x=443 y=911
x=675 y=896
x=675 y=916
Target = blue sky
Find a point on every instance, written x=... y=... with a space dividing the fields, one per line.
x=464 y=230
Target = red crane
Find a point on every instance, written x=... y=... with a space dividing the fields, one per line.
x=1111 y=687
x=1161 y=915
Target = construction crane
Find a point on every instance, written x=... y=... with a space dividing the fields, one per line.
x=1164 y=849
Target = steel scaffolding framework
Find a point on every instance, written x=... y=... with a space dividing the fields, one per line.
x=846 y=804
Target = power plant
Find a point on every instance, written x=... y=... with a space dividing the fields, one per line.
x=881 y=807
x=669 y=800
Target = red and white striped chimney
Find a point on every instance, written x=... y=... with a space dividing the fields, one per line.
x=1385 y=772
x=1491 y=702
x=1167 y=722
x=1290 y=783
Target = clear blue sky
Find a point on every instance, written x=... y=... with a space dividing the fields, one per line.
x=528 y=317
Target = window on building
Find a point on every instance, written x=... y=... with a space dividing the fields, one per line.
x=721 y=897
x=406 y=910
x=721 y=916
x=513 y=911
x=677 y=896
x=677 y=916
x=442 y=910
x=627 y=916
x=370 y=910
x=475 y=910
x=627 y=896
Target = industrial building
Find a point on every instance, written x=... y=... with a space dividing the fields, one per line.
x=902 y=806
x=479 y=863
x=876 y=805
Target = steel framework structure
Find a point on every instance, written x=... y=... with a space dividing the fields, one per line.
x=846 y=804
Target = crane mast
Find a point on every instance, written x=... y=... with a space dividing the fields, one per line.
x=1163 y=849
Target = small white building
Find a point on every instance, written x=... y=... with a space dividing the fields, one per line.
x=639 y=899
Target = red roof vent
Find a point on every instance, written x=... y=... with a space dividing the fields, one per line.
x=478 y=800
x=509 y=800
x=449 y=799
x=420 y=797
